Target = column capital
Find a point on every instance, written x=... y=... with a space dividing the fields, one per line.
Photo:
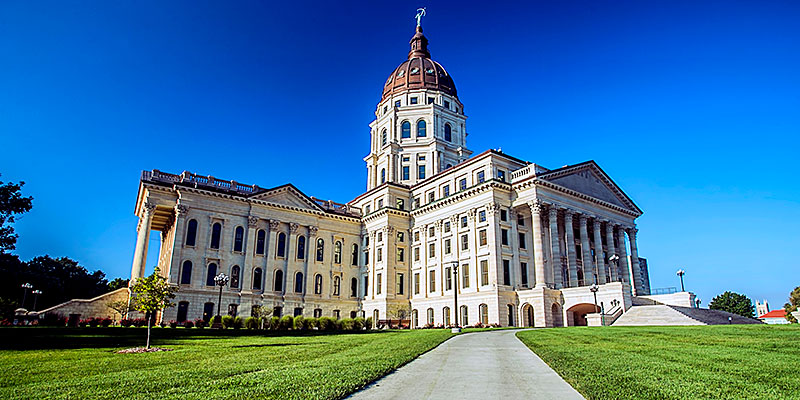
x=632 y=232
x=553 y=210
x=536 y=206
x=181 y=209
x=252 y=221
x=596 y=223
x=583 y=218
x=471 y=213
x=388 y=229
x=312 y=231
x=492 y=207
x=293 y=227
x=149 y=208
x=274 y=224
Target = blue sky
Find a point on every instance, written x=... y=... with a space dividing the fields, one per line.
x=692 y=107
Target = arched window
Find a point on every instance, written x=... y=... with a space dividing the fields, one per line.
x=257 y=277
x=216 y=231
x=186 y=273
x=415 y=318
x=383 y=138
x=448 y=133
x=260 y=239
x=405 y=130
x=318 y=284
x=337 y=283
x=278 y=285
x=430 y=316
x=212 y=272
x=191 y=232
x=354 y=255
x=238 y=238
x=298 y=282
x=421 y=128
x=354 y=287
x=235 y=277
x=383 y=175
x=446 y=316
x=483 y=310
x=281 y=251
x=337 y=252
x=301 y=247
x=464 y=316
x=320 y=249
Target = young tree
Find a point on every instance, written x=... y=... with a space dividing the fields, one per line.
x=793 y=304
x=261 y=312
x=122 y=307
x=733 y=303
x=11 y=202
x=150 y=295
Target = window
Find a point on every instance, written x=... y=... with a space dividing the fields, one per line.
x=430 y=316
x=522 y=240
x=337 y=252
x=301 y=247
x=383 y=176
x=317 y=313
x=431 y=197
x=446 y=316
x=380 y=204
x=354 y=287
x=432 y=250
x=298 y=282
x=462 y=184
x=414 y=100
x=447 y=226
x=524 y=273
x=431 y=231
x=416 y=236
x=277 y=311
x=380 y=237
x=482 y=237
x=366 y=285
x=337 y=283
x=277 y=285
x=183 y=309
x=186 y=273
x=298 y=311
x=320 y=249
x=421 y=128
x=235 y=277
x=420 y=157
x=421 y=172
x=432 y=281
x=208 y=311
x=430 y=100
x=401 y=204
x=367 y=209
x=415 y=318
x=464 y=242
x=400 y=236
x=520 y=219
x=379 y=255
x=504 y=237
x=378 y=283
x=503 y=215
x=336 y=314
x=446 y=191
x=464 y=221
x=406 y=158
x=481 y=177
x=483 y=310
x=216 y=230
x=397 y=103
x=416 y=202
x=484 y=273
x=405 y=130
x=501 y=175
x=416 y=283
x=401 y=254
x=464 y=316
x=257 y=279
x=366 y=257
x=260 y=240
x=212 y=272
x=446 y=104
x=401 y=284
x=448 y=279
x=506 y=272
x=448 y=134
x=482 y=215
x=233 y=309
x=281 y=251
x=383 y=138
x=191 y=233
x=447 y=246
x=317 y=284
x=416 y=253
x=405 y=173
x=465 y=276
x=354 y=255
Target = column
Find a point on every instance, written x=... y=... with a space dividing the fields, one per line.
x=178 y=239
x=637 y=273
x=623 y=256
x=556 y=247
x=570 y=243
x=270 y=254
x=513 y=242
x=598 y=252
x=614 y=267
x=472 y=239
x=587 y=253
x=245 y=278
x=311 y=245
x=538 y=248
x=142 y=239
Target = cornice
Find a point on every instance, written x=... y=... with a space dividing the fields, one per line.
x=582 y=196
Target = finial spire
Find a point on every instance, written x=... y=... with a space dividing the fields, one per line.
x=420 y=14
x=419 y=43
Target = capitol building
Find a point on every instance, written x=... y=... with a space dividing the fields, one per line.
x=520 y=244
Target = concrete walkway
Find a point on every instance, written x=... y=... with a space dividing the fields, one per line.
x=480 y=365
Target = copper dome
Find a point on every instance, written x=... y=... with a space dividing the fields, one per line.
x=419 y=71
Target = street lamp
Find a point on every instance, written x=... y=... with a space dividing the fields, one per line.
x=681 y=273
x=594 y=288
x=615 y=259
x=697 y=301
x=25 y=287
x=221 y=280
x=455 y=296
x=36 y=292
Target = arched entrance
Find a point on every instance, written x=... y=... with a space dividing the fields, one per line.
x=578 y=313
x=527 y=315
x=558 y=321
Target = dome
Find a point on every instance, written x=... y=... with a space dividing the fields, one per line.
x=419 y=71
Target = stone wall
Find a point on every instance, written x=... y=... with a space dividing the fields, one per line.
x=96 y=307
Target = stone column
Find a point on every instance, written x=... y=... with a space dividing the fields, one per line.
x=178 y=241
x=513 y=243
x=570 y=243
x=538 y=248
x=311 y=245
x=636 y=272
x=556 y=248
x=613 y=268
x=623 y=256
x=598 y=252
x=493 y=240
x=142 y=239
x=245 y=279
x=587 y=253
x=472 y=238
x=268 y=283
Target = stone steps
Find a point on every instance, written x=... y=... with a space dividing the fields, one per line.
x=673 y=315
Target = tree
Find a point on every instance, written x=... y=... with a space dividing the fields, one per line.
x=261 y=312
x=121 y=307
x=733 y=303
x=117 y=283
x=793 y=304
x=11 y=202
x=150 y=295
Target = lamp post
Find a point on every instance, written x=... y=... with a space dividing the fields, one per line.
x=25 y=287
x=681 y=273
x=36 y=293
x=455 y=296
x=221 y=280
x=614 y=259
x=594 y=288
x=697 y=301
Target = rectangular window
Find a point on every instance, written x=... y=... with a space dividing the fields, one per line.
x=464 y=221
x=416 y=236
x=524 y=273
x=416 y=283
x=431 y=231
x=401 y=254
x=380 y=203
x=406 y=173
x=482 y=216
x=421 y=172
x=484 y=273
x=416 y=253
x=379 y=255
x=462 y=184
x=446 y=191
x=506 y=272
x=446 y=104
x=400 y=284
x=432 y=250
x=448 y=279
x=464 y=242
x=378 y=284
x=366 y=258
x=465 y=276
x=522 y=240
x=406 y=159
x=504 y=237
x=414 y=100
x=432 y=281
x=367 y=209
x=447 y=246
x=380 y=237
x=482 y=237
x=416 y=202
x=503 y=215
x=501 y=175
x=431 y=197
x=430 y=100
x=420 y=157
x=520 y=220
x=447 y=226
x=481 y=177
x=401 y=204
x=397 y=103
x=401 y=237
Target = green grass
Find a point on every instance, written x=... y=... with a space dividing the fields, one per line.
x=81 y=363
x=703 y=362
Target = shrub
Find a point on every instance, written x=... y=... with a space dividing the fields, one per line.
x=358 y=324
x=215 y=320
x=299 y=325
x=188 y=324
x=93 y=322
x=274 y=323
x=347 y=324
x=106 y=322
x=310 y=323
x=139 y=322
x=173 y=324
x=53 y=319
x=83 y=323
x=238 y=323
x=328 y=324
x=368 y=323
x=125 y=322
x=227 y=321
x=251 y=323
x=286 y=323
x=200 y=323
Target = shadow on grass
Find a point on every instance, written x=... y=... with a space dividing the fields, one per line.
x=272 y=345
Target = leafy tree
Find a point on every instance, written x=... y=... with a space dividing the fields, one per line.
x=121 y=307
x=733 y=303
x=793 y=304
x=261 y=312
x=117 y=283
x=150 y=295
x=11 y=202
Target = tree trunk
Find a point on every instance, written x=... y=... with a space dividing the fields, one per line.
x=148 y=333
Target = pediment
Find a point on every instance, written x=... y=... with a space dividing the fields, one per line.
x=287 y=195
x=588 y=179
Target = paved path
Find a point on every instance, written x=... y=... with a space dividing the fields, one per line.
x=480 y=365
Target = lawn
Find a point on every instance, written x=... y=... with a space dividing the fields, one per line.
x=82 y=363
x=698 y=362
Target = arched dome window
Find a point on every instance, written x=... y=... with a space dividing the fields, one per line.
x=383 y=138
x=421 y=128
x=448 y=133
x=405 y=129
x=383 y=175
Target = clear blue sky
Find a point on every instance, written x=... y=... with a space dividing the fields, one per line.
x=692 y=107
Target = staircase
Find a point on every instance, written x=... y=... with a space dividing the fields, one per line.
x=660 y=314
